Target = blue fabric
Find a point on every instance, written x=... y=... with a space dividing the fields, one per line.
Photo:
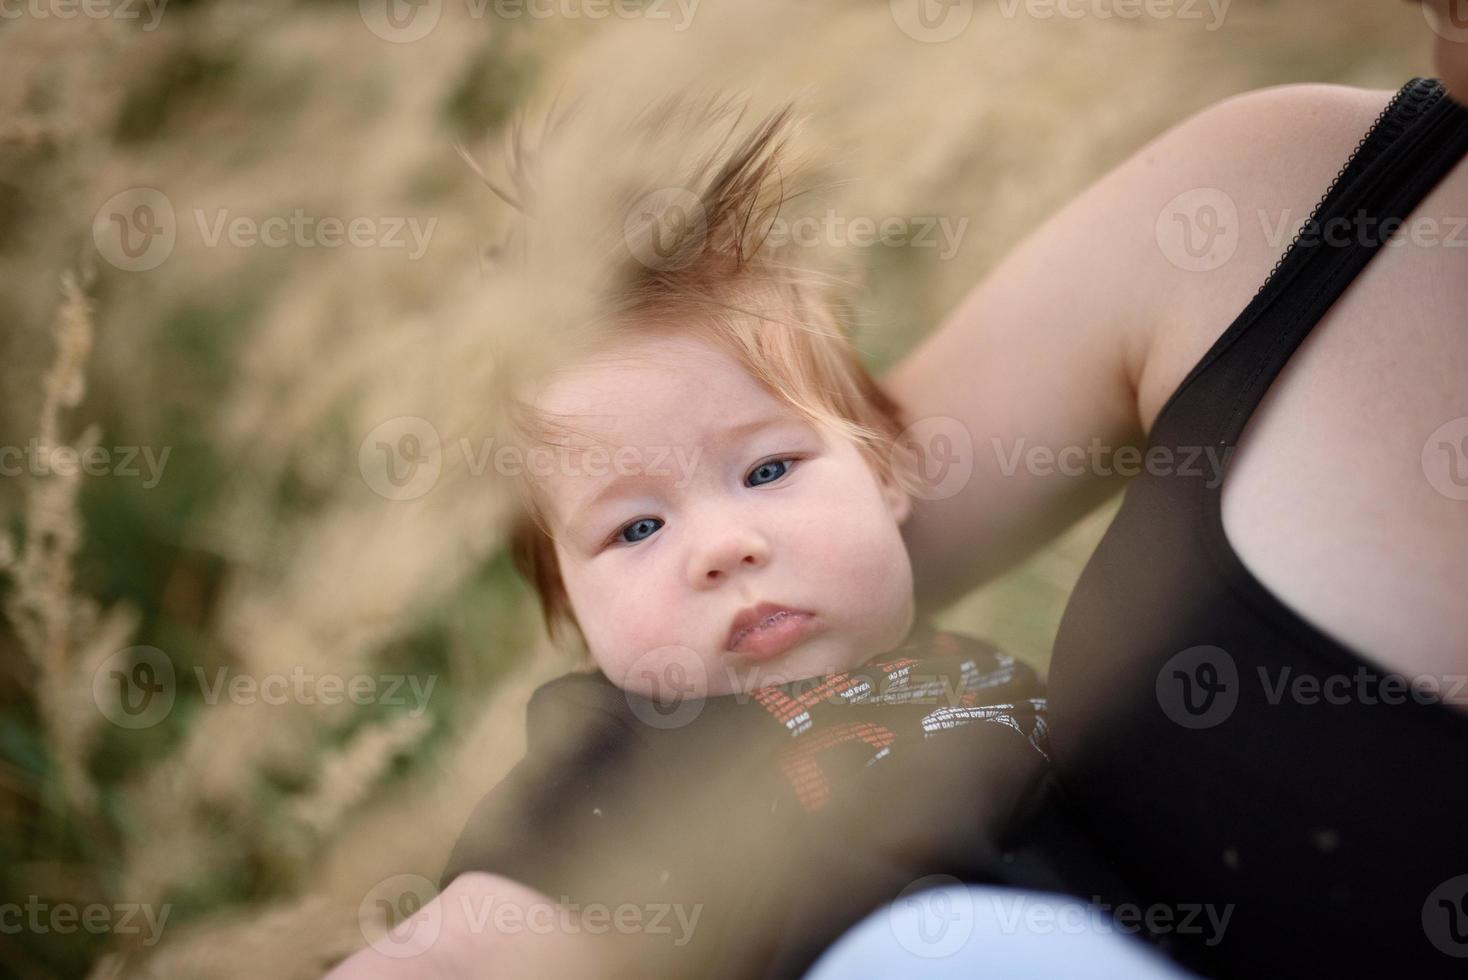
x=982 y=931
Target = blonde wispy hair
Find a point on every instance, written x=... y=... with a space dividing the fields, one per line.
x=672 y=230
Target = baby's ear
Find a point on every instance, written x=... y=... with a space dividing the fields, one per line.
x=899 y=502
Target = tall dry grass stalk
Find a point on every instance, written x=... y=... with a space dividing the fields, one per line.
x=280 y=363
x=66 y=635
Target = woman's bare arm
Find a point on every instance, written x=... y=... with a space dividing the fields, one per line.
x=1070 y=345
x=486 y=925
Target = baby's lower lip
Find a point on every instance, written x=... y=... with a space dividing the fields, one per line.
x=763 y=642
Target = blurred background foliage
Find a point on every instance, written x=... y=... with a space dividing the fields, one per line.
x=262 y=828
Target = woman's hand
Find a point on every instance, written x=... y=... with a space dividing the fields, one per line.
x=485 y=925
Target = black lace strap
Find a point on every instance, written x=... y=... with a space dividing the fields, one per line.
x=1416 y=140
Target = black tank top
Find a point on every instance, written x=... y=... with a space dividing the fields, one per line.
x=1217 y=748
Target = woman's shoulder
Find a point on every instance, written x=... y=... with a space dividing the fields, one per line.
x=1268 y=148
x=1222 y=193
x=1317 y=105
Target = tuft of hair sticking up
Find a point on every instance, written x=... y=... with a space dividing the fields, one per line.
x=660 y=221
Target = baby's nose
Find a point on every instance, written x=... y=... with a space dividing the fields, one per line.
x=721 y=559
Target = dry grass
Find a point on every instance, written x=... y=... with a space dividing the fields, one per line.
x=262 y=550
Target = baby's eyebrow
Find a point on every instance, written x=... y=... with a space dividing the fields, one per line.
x=623 y=484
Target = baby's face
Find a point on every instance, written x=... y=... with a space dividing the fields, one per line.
x=709 y=499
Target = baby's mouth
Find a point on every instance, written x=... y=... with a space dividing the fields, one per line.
x=772 y=635
x=768 y=621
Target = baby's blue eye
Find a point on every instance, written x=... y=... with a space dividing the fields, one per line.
x=639 y=529
x=772 y=470
x=645 y=527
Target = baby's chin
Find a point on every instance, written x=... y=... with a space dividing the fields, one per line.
x=677 y=672
x=811 y=660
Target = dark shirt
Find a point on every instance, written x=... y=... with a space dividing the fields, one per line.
x=780 y=817
x=1326 y=820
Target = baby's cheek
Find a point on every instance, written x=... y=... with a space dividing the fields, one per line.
x=643 y=646
x=878 y=584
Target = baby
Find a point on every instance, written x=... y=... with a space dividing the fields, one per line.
x=770 y=743
x=773 y=554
